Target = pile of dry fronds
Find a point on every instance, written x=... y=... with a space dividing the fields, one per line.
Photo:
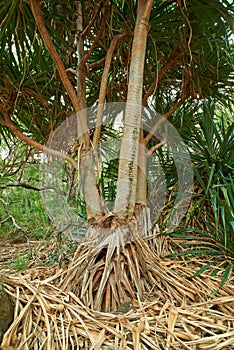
x=163 y=308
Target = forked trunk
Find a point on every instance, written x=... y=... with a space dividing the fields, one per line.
x=130 y=217
x=115 y=265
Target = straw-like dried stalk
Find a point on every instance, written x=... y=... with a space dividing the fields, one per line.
x=60 y=308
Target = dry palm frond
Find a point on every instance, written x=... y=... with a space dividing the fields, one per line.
x=62 y=308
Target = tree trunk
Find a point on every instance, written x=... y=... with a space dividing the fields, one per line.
x=129 y=153
x=93 y=201
x=141 y=191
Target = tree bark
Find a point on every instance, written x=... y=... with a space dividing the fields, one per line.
x=103 y=88
x=129 y=153
x=141 y=191
x=92 y=196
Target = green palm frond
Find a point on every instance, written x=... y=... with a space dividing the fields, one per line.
x=210 y=140
x=194 y=243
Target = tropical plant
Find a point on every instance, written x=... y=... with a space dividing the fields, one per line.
x=164 y=54
x=211 y=145
x=208 y=228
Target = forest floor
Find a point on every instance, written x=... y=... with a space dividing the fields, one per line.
x=47 y=317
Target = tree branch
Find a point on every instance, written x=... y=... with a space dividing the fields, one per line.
x=91 y=22
x=30 y=187
x=78 y=103
x=154 y=148
x=160 y=76
x=36 y=144
x=96 y=64
x=103 y=86
x=147 y=9
x=161 y=121
x=99 y=34
x=144 y=8
x=36 y=10
x=21 y=185
x=9 y=216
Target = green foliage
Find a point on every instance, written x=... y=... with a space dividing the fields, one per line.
x=208 y=228
x=20 y=262
x=196 y=243
x=192 y=39
x=211 y=146
x=109 y=153
x=21 y=207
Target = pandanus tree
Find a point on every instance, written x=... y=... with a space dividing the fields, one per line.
x=169 y=54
